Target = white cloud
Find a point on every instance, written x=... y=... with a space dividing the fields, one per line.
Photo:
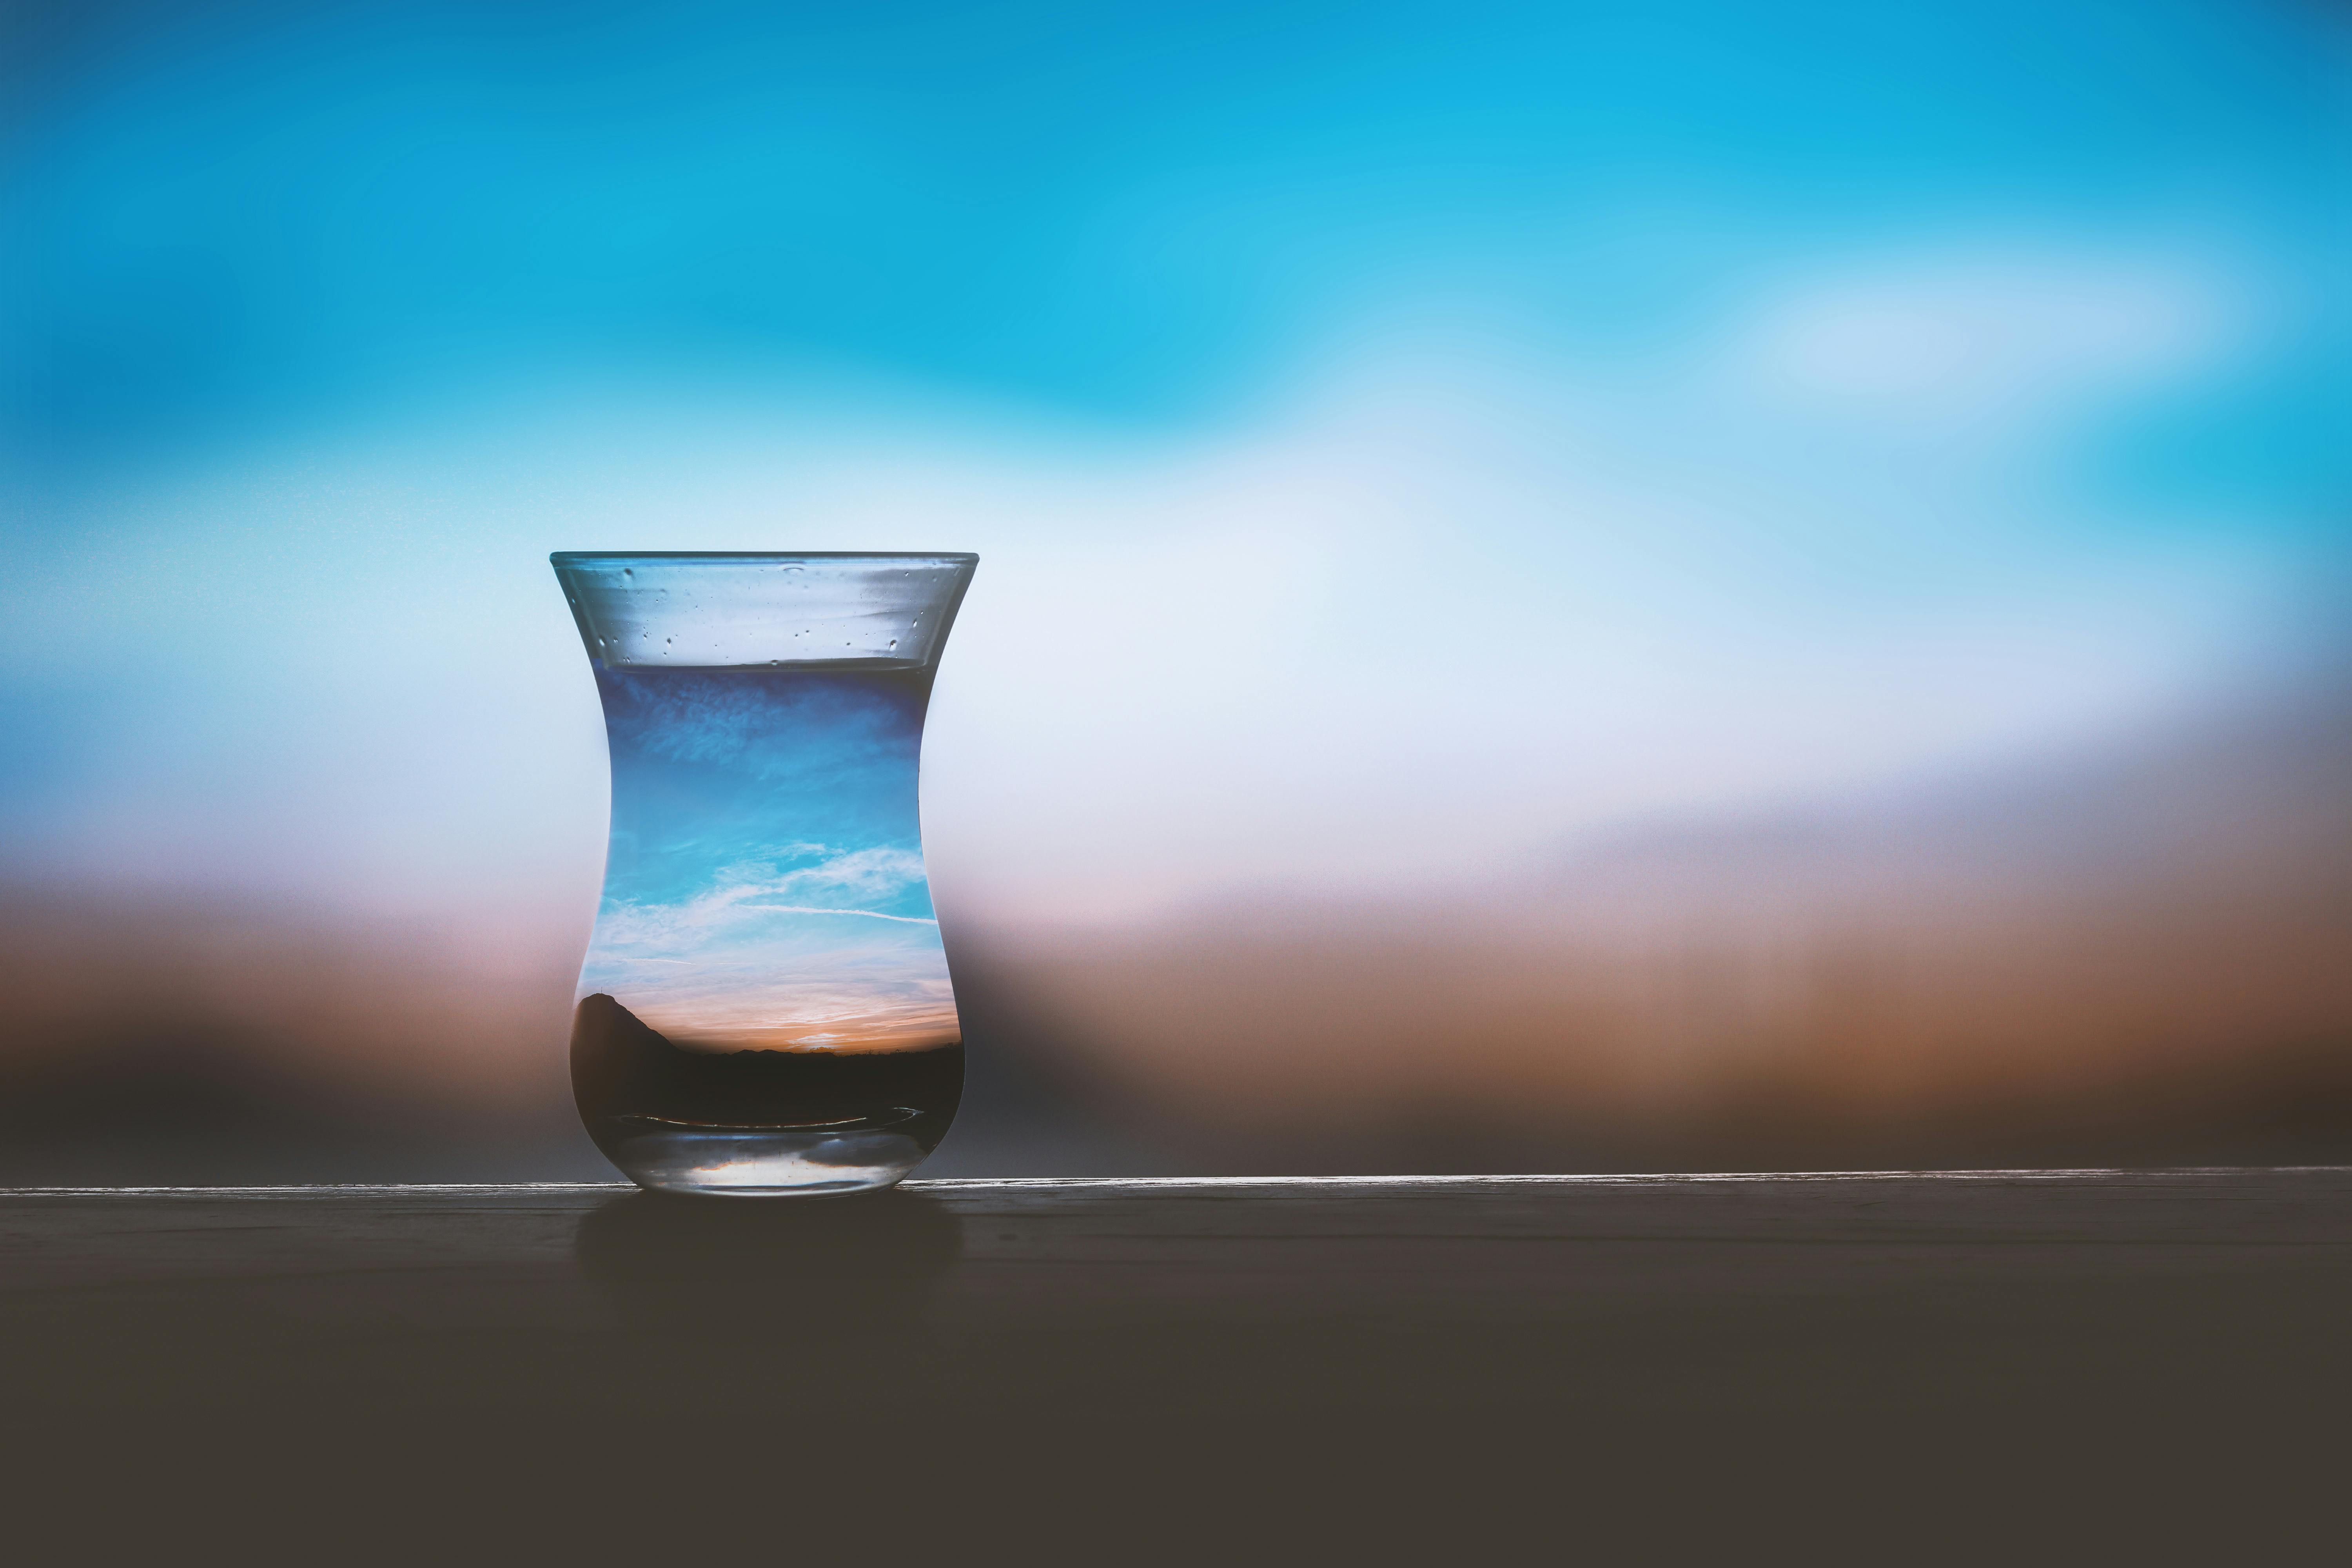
x=1988 y=333
x=868 y=873
x=747 y=892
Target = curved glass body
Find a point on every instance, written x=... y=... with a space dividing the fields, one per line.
x=765 y=1006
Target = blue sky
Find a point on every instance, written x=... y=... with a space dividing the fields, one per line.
x=236 y=216
x=1401 y=438
x=765 y=883
x=817 y=768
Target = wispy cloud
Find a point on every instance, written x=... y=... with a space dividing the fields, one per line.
x=812 y=909
x=865 y=872
x=752 y=890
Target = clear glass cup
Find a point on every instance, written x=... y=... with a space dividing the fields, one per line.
x=765 y=1006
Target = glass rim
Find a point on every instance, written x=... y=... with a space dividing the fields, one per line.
x=578 y=557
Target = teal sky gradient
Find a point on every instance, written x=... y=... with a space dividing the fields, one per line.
x=1406 y=437
x=231 y=218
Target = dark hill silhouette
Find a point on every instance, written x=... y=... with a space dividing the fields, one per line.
x=624 y=1070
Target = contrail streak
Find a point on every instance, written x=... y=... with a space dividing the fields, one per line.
x=807 y=909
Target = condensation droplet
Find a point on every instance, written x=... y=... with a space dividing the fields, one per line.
x=894 y=642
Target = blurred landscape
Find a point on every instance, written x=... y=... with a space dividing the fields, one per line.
x=1563 y=587
x=2137 y=961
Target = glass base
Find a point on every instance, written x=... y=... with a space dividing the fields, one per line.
x=748 y=1163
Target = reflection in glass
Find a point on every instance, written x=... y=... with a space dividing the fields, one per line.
x=765 y=1006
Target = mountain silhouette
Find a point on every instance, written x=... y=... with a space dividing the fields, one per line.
x=623 y=1070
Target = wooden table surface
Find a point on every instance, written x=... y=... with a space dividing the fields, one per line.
x=2076 y=1366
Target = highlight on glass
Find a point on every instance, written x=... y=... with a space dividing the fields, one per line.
x=765 y=1006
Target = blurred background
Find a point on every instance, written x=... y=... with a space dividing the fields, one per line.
x=1566 y=587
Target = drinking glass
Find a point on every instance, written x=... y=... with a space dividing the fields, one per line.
x=765 y=1006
